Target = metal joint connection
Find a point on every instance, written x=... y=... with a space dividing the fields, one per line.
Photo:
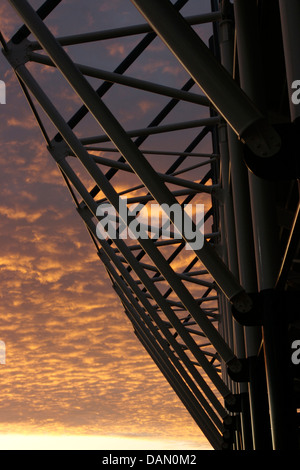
x=17 y=54
x=59 y=150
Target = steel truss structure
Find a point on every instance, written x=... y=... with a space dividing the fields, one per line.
x=218 y=321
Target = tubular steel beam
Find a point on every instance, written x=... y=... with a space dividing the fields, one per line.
x=156 y=152
x=128 y=81
x=126 y=31
x=167 y=178
x=274 y=326
x=253 y=429
x=156 y=130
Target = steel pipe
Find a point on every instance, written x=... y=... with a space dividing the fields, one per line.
x=128 y=81
x=201 y=188
x=125 y=31
x=156 y=130
x=265 y=230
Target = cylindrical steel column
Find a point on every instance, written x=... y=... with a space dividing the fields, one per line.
x=266 y=237
x=262 y=192
x=254 y=434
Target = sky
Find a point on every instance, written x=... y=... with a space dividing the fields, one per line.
x=75 y=375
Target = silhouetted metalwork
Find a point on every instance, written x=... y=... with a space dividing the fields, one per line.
x=219 y=321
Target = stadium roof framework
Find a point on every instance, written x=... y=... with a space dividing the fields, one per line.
x=219 y=321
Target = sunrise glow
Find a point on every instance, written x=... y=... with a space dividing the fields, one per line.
x=71 y=442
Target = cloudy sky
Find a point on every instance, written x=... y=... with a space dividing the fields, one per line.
x=73 y=365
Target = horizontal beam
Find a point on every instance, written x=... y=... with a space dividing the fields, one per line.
x=189 y=279
x=129 y=81
x=148 y=197
x=156 y=152
x=171 y=242
x=125 y=31
x=201 y=188
x=157 y=130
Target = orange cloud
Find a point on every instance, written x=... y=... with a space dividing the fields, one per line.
x=116 y=50
x=18 y=214
x=109 y=5
x=25 y=124
x=146 y=105
x=9 y=21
